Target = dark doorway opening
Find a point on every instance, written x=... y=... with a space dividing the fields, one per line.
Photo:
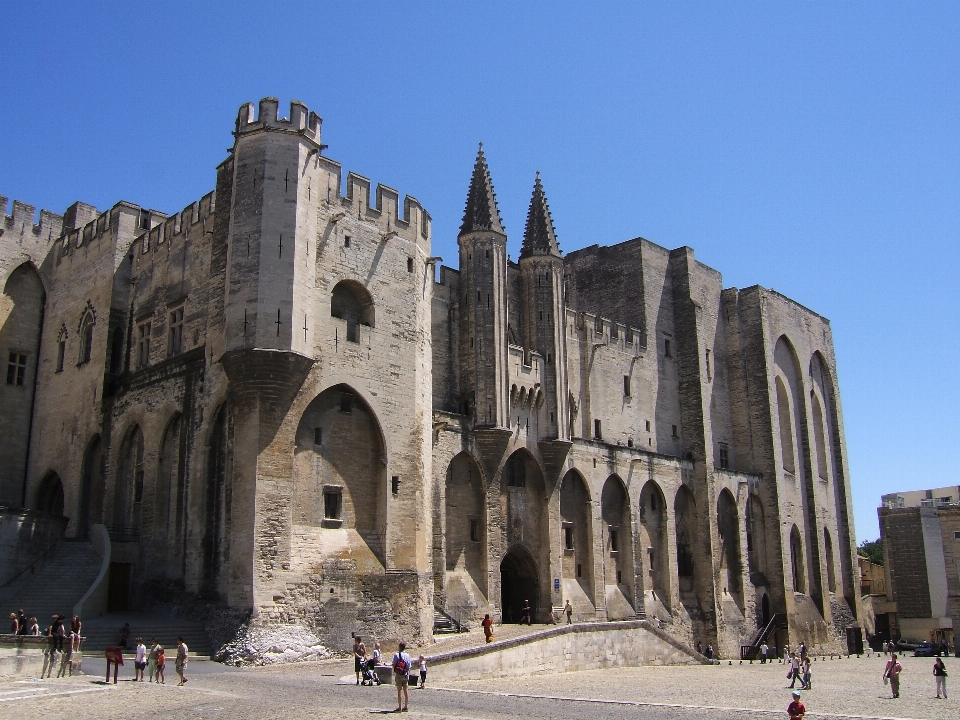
x=519 y=582
x=118 y=587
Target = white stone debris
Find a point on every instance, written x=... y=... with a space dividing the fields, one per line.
x=271 y=645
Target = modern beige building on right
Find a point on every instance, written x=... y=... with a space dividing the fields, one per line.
x=920 y=530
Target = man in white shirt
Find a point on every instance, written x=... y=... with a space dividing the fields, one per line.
x=139 y=660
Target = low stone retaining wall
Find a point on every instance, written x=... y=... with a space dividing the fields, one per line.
x=22 y=656
x=569 y=648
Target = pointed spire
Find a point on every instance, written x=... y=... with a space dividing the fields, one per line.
x=481 y=212
x=539 y=237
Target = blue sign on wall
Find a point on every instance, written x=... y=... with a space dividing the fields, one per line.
x=556 y=583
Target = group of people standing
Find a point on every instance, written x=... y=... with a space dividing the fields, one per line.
x=401 y=664
x=63 y=644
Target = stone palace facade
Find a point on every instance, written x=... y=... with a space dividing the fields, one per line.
x=279 y=400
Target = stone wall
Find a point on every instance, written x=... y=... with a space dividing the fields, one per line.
x=25 y=537
x=587 y=646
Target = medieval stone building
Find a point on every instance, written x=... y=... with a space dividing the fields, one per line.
x=275 y=399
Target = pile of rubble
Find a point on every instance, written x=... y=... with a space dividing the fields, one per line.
x=271 y=644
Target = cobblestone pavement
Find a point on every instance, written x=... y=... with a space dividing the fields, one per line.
x=842 y=688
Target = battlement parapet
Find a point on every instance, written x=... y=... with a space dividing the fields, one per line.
x=22 y=220
x=599 y=330
x=413 y=224
x=301 y=121
x=177 y=227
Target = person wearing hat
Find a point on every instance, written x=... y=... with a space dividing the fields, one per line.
x=796 y=710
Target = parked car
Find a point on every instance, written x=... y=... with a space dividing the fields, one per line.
x=902 y=645
x=927 y=649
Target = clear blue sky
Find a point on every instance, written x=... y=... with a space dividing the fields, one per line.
x=811 y=148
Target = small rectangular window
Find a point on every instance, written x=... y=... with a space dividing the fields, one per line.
x=626 y=386
x=674 y=433
x=614 y=540
x=597 y=434
x=352 y=331
x=332 y=504
x=709 y=376
x=318 y=436
x=474 y=531
x=648 y=425
x=579 y=570
x=724 y=457
x=143 y=344
x=17 y=369
x=956 y=534
x=568 y=538
x=346 y=241
x=143 y=220
x=667 y=351
x=346 y=403
x=410 y=265
x=175 y=332
x=487 y=252
x=619 y=577
x=395 y=484
x=61 y=353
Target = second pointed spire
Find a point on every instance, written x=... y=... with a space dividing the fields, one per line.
x=481 y=212
x=539 y=237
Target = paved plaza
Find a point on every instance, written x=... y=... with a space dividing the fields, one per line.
x=842 y=688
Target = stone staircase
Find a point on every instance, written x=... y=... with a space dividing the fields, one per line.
x=443 y=623
x=104 y=631
x=55 y=584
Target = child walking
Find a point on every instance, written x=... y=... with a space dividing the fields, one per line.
x=423 y=671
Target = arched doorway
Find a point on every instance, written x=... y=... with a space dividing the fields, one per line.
x=50 y=495
x=618 y=549
x=128 y=486
x=796 y=561
x=21 y=313
x=464 y=534
x=519 y=582
x=728 y=526
x=339 y=471
x=91 y=487
x=687 y=533
x=524 y=523
x=576 y=538
x=653 y=548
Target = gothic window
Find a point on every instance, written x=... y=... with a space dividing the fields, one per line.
x=86 y=337
x=143 y=343
x=61 y=347
x=175 y=331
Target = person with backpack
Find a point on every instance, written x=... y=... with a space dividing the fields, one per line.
x=940 y=675
x=401 y=677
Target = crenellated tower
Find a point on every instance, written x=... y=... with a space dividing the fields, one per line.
x=483 y=303
x=275 y=177
x=542 y=309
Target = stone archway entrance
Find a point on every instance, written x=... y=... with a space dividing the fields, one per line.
x=519 y=581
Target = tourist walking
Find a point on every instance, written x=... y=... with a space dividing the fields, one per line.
x=764 y=650
x=33 y=628
x=152 y=658
x=487 y=625
x=50 y=654
x=14 y=624
x=568 y=609
x=66 y=662
x=794 y=673
x=401 y=677
x=527 y=613
x=359 y=656
x=423 y=671
x=892 y=673
x=940 y=675
x=181 y=663
x=21 y=622
x=795 y=709
x=139 y=660
x=806 y=674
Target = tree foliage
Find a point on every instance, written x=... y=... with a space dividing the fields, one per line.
x=872 y=550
